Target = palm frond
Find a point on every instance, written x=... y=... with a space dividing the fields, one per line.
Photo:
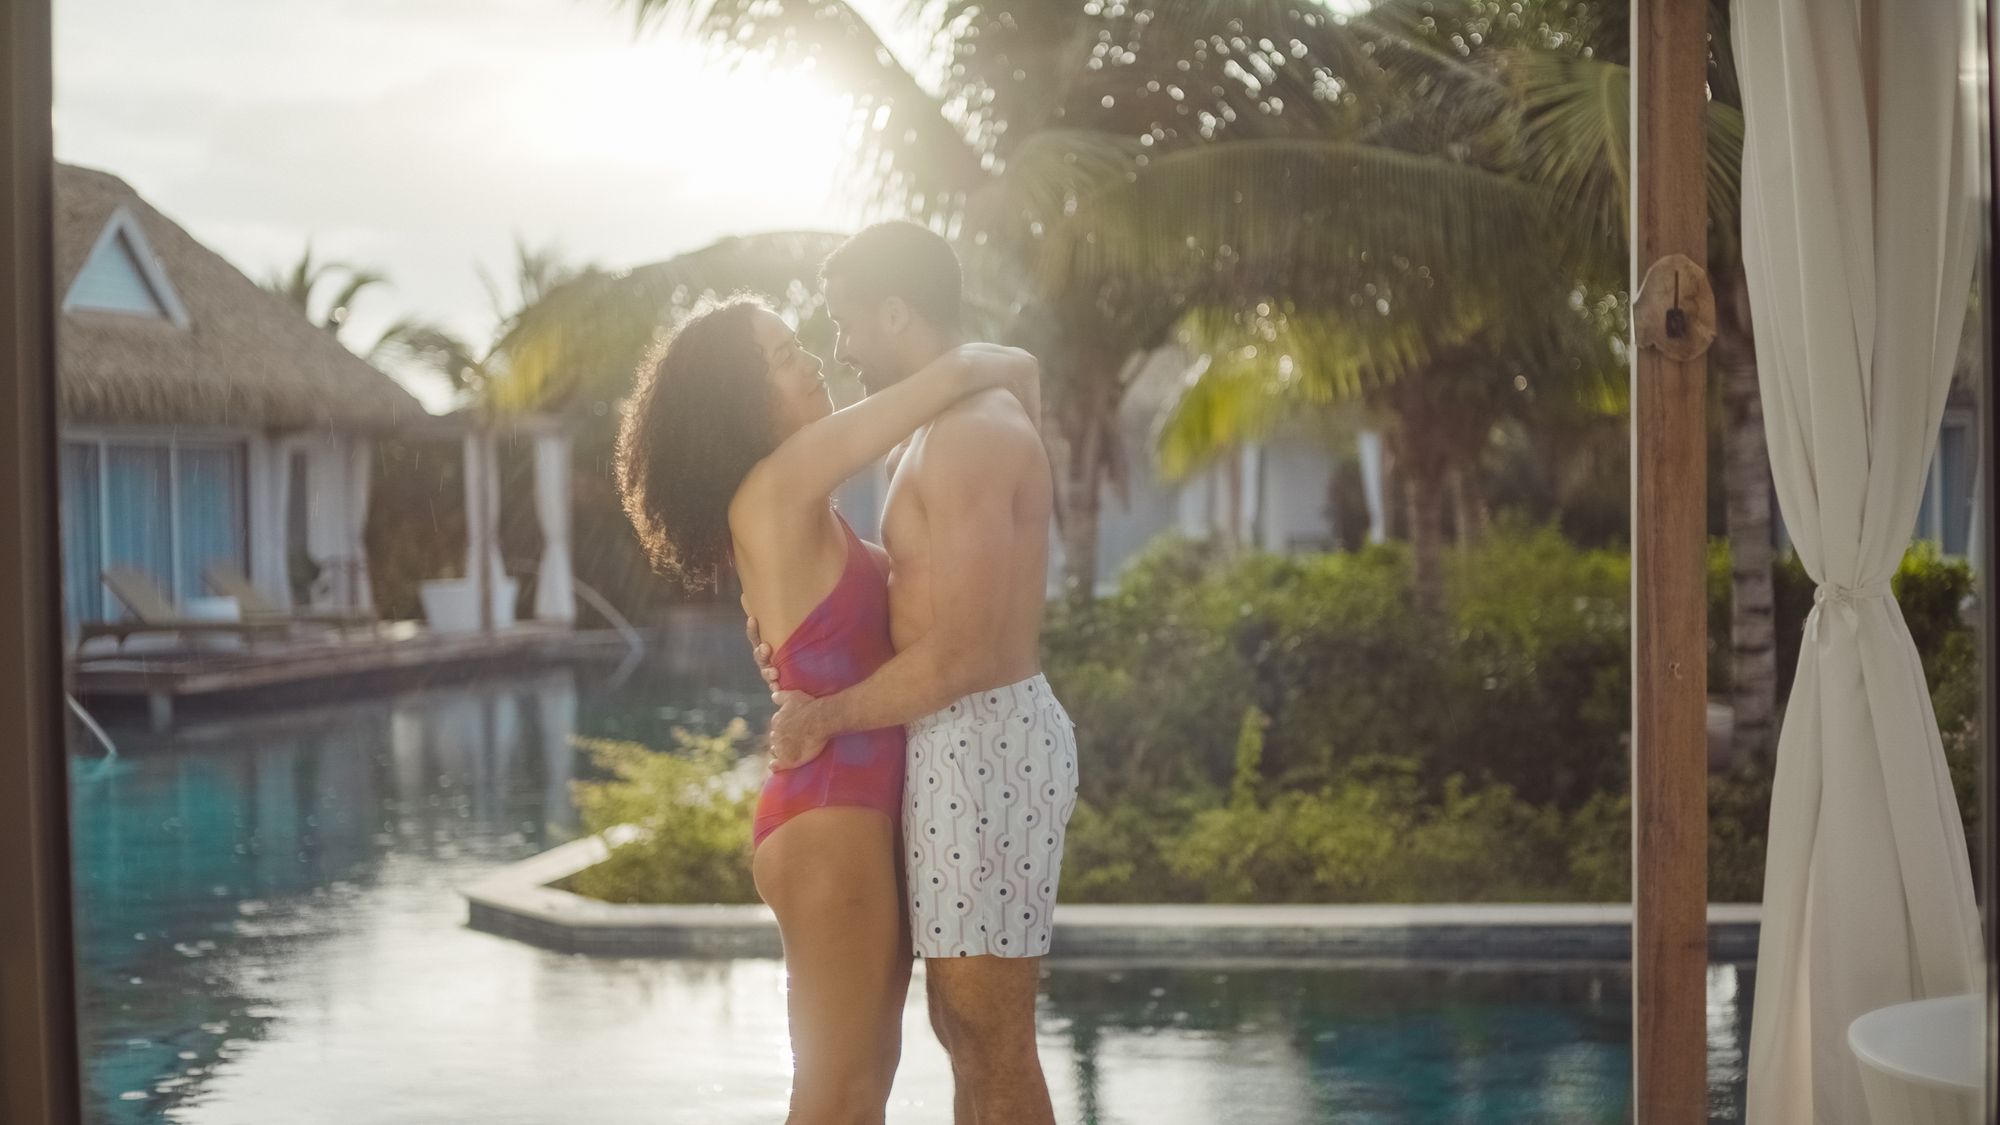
x=1323 y=224
x=1724 y=179
x=1219 y=408
x=430 y=347
x=1046 y=181
x=295 y=284
x=1574 y=137
x=343 y=300
x=1269 y=364
x=907 y=149
x=595 y=329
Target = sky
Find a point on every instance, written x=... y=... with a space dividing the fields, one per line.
x=419 y=138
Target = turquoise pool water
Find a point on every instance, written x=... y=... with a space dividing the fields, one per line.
x=271 y=933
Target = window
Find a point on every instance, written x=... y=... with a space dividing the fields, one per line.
x=122 y=276
x=1946 y=515
x=165 y=507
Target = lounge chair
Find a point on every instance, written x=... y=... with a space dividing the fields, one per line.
x=153 y=612
x=255 y=606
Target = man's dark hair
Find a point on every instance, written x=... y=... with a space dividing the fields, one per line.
x=902 y=259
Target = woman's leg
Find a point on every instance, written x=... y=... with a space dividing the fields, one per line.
x=830 y=876
x=898 y=992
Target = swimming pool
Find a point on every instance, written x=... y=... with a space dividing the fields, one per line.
x=271 y=933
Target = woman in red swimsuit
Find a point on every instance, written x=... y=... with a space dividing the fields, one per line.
x=728 y=456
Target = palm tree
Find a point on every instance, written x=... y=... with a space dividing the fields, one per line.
x=581 y=338
x=1443 y=404
x=1025 y=113
x=1545 y=92
x=566 y=341
x=572 y=351
x=299 y=284
x=1575 y=120
x=1568 y=84
x=1406 y=264
x=473 y=370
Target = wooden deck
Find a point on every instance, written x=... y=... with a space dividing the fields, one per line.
x=321 y=663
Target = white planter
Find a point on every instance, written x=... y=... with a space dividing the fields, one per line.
x=451 y=606
x=1922 y=1061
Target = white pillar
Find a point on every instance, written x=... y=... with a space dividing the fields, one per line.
x=270 y=471
x=1251 y=533
x=555 y=598
x=1368 y=444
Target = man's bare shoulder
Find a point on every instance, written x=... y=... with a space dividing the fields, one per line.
x=985 y=446
x=989 y=423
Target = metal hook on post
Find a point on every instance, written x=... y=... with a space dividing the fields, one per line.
x=1674 y=312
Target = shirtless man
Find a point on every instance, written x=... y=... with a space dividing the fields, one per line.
x=991 y=774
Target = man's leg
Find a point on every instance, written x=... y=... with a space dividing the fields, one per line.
x=961 y=1083
x=987 y=1007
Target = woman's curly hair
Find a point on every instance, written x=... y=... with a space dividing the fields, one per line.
x=700 y=416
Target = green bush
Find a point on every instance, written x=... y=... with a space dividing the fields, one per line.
x=1372 y=835
x=1522 y=682
x=1116 y=854
x=697 y=842
x=1286 y=729
x=1599 y=843
x=1336 y=659
x=1739 y=812
x=1150 y=673
x=1335 y=845
x=1538 y=684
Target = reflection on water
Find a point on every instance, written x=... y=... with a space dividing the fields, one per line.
x=1479 y=1043
x=271 y=933
x=214 y=868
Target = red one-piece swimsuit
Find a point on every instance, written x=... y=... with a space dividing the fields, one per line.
x=839 y=644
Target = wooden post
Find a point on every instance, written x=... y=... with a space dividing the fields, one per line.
x=479 y=535
x=39 y=1070
x=1669 y=534
x=1989 y=552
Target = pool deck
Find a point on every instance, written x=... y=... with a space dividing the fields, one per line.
x=317 y=662
x=516 y=902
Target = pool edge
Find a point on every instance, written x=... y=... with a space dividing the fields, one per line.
x=516 y=902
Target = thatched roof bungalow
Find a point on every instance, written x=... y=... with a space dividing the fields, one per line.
x=203 y=419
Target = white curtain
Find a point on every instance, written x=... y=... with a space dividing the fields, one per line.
x=555 y=600
x=1368 y=445
x=270 y=482
x=360 y=460
x=482 y=507
x=1858 y=244
x=326 y=519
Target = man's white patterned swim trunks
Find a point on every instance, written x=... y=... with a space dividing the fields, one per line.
x=989 y=788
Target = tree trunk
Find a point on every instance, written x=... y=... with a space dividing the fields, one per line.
x=1468 y=509
x=1084 y=419
x=1232 y=476
x=1424 y=492
x=1427 y=442
x=1746 y=480
x=1079 y=539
